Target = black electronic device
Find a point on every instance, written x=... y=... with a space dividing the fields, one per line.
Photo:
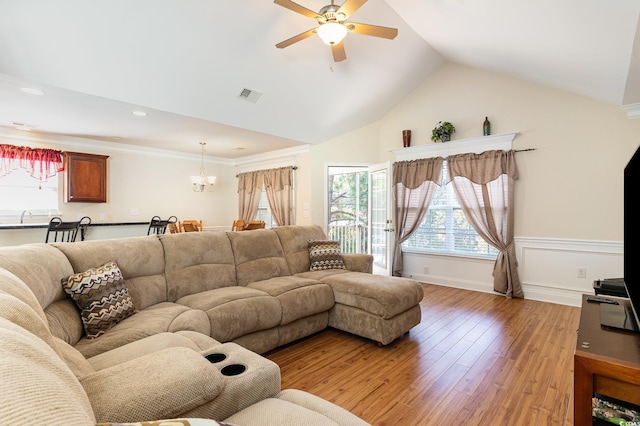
x=610 y=287
x=620 y=316
x=597 y=299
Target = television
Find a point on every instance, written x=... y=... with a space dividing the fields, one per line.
x=630 y=244
x=620 y=316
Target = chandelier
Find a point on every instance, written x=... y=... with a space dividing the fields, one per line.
x=202 y=182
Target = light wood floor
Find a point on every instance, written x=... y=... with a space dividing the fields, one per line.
x=475 y=359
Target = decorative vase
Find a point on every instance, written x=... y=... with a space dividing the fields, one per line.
x=486 y=127
x=445 y=138
x=406 y=138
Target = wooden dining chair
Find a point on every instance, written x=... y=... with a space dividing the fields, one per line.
x=238 y=225
x=255 y=224
x=196 y=225
x=173 y=228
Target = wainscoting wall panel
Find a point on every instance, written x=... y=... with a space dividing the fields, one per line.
x=550 y=270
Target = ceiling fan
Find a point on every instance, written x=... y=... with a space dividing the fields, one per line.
x=333 y=25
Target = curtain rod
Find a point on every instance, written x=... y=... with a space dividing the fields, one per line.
x=523 y=150
x=294 y=168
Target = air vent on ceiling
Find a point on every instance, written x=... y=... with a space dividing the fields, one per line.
x=249 y=95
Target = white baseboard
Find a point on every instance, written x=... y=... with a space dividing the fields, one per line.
x=547 y=267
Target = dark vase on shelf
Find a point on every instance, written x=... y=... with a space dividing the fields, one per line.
x=486 y=127
x=406 y=138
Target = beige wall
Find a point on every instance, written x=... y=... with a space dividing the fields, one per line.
x=569 y=187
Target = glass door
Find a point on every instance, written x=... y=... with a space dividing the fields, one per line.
x=381 y=218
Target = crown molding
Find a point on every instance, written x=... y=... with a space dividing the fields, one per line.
x=633 y=110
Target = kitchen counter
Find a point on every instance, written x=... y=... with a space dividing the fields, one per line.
x=46 y=225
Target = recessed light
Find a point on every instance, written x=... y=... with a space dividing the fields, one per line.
x=139 y=113
x=32 y=91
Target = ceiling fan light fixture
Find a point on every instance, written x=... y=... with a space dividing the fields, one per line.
x=332 y=33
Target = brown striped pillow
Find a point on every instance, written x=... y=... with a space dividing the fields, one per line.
x=325 y=254
x=102 y=296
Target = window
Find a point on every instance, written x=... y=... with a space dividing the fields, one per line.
x=445 y=228
x=264 y=212
x=347 y=199
x=20 y=192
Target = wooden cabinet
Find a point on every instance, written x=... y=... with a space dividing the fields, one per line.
x=85 y=178
x=605 y=361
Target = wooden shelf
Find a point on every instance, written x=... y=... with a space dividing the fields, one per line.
x=605 y=361
x=444 y=149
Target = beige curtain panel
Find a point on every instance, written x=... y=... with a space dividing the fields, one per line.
x=278 y=184
x=484 y=186
x=249 y=190
x=414 y=183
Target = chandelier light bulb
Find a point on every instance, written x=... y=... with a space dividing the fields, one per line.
x=332 y=33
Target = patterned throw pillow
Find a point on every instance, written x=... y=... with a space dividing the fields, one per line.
x=102 y=297
x=325 y=254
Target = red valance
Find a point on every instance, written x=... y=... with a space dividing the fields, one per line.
x=41 y=163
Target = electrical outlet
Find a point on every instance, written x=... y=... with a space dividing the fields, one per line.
x=102 y=217
x=134 y=211
x=582 y=272
x=426 y=270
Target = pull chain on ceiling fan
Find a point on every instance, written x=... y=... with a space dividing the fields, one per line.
x=333 y=26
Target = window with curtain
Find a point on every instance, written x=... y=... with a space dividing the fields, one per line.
x=445 y=228
x=267 y=195
x=28 y=181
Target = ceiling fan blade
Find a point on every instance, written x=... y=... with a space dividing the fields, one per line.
x=296 y=8
x=295 y=39
x=338 y=52
x=350 y=6
x=372 y=30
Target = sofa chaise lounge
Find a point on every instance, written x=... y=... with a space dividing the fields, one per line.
x=200 y=308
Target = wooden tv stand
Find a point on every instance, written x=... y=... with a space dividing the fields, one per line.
x=605 y=361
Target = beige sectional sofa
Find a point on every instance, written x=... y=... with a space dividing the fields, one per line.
x=207 y=304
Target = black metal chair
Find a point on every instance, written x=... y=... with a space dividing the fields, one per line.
x=159 y=226
x=67 y=232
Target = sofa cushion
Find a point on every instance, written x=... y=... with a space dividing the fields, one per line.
x=294 y=243
x=236 y=311
x=102 y=296
x=294 y=407
x=155 y=319
x=325 y=254
x=258 y=256
x=197 y=261
x=141 y=260
x=41 y=267
x=37 y=387
x=299 y=297
x=377 y=294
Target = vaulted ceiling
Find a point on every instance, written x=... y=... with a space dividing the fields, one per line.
x=186 y=63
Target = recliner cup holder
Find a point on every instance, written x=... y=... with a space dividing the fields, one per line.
x=233 y=369
x=215 y=357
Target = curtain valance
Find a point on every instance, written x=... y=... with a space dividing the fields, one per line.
x=41 y=163
x=484 y=167
x=411 y=174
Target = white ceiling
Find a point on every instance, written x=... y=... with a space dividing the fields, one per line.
x=185 y=63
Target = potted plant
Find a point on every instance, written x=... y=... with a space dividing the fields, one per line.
x=442 y=132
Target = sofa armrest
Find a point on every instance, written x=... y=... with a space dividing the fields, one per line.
x=358 y=262
x=161 y=385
